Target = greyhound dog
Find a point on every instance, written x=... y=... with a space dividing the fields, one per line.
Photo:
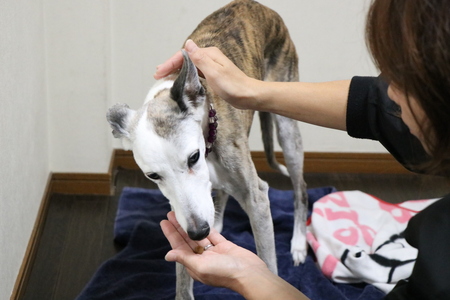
x=189 y=141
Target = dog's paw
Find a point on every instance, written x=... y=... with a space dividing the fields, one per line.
x=299 y=251
x=298 y=256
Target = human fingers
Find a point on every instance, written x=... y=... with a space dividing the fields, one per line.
x=172 y=219
x=223 y=76
x=207 y=60
x=181 y=251
x=169 y=66
x=219 y=265
x=215 y=237
x=174 y=237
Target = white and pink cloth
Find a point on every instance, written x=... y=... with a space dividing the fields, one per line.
x=359 y=238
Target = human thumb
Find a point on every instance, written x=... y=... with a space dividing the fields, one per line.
x=190 y=46
x=178 y=256
x=198 y=57
x=171 y=256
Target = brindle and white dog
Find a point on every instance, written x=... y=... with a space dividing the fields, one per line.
x=172 y=134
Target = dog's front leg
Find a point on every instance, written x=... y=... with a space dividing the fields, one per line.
x=257 y=207
x=185 y=284
x=220 y=201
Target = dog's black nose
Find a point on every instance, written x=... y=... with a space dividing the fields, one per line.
x=199 y=234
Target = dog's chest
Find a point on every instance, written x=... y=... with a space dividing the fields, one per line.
x=217 y=173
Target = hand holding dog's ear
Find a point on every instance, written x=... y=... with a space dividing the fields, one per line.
x=223 y=76
x=169 y=66
x=176 y=62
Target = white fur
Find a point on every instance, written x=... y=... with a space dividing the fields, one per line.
x=159 y=86
x=188 y=190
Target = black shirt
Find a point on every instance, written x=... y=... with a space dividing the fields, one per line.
x=372 y=115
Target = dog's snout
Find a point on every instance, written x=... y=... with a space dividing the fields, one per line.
x=199 y=233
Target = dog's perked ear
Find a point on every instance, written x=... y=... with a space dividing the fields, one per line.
x=187 y=90
x=119 y=117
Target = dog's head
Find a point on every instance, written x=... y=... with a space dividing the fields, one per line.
x=167 y=140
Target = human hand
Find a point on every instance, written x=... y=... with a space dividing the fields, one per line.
x=222 y=75
x=225 y=264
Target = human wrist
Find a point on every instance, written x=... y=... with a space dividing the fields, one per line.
x=254 y=94
x=248 y=281
x=261 y=284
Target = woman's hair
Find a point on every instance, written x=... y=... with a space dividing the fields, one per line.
x=410 y=43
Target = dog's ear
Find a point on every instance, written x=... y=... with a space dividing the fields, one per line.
x=187 y=90
x=119 y=117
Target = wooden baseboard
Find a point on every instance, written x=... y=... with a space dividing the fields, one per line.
x=33 y=243
x=89 y=183
x=318 y=162
x=79 y=183
x=315 y=162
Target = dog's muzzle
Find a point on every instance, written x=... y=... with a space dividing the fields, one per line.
x=200 y=233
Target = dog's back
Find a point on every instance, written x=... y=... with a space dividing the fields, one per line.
x=256 y=39
x=251 y=35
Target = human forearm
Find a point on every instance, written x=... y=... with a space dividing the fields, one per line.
x=263 y=284
x=323 y=103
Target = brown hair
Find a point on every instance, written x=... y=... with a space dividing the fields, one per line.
x=410 y=43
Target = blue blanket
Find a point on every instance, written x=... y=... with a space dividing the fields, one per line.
x=139 y=271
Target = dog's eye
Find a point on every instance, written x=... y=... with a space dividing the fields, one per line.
x=153 y=176
x=193 y=158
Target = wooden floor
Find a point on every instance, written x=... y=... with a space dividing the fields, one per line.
x=78 y=234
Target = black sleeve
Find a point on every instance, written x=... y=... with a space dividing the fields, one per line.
x=372 y=115
x=428 y=231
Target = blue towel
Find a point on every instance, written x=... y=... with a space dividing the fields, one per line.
x=139 y=271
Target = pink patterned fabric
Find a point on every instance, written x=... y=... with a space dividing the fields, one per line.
x=359 y=238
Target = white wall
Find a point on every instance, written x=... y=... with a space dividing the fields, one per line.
x=23 y=131
x=328 y=35
x=78 y=68
x=104 y=52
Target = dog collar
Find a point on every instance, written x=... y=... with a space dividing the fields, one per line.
x=212 y=130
